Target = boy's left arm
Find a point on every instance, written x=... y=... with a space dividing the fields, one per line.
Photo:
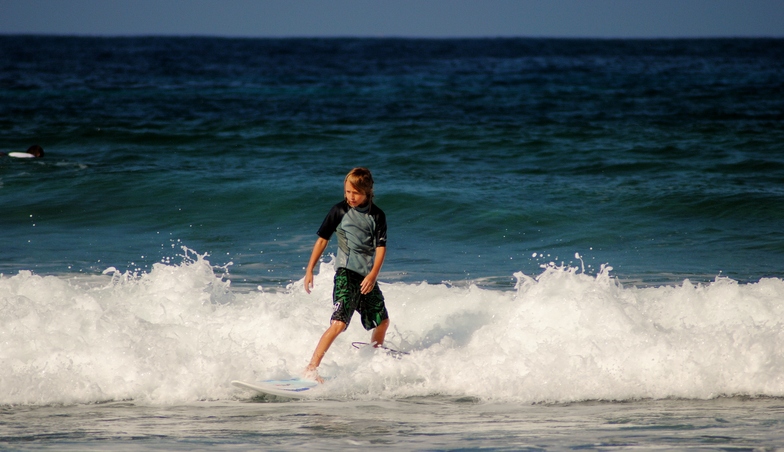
x=370 y=280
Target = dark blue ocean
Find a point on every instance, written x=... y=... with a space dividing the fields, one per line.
x=577 y=229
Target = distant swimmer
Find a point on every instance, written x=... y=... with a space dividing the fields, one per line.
x=33 y=151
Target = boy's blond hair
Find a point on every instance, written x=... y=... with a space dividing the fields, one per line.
x=362 y=180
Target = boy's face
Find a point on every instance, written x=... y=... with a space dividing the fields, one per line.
x=353 y=196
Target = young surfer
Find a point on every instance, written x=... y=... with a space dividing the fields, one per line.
x=361 y=228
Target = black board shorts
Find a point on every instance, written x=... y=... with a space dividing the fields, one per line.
x=347 y=298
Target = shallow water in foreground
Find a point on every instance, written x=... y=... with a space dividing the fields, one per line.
x=432 y=423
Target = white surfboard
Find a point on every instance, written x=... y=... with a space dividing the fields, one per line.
x=295 y=388
x=21 y=155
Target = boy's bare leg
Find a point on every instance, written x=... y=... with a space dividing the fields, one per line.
x=379 y=333
x=325 y=342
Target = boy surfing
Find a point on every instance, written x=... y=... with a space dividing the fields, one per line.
x=361 y=228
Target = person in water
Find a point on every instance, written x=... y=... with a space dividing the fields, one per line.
x=361 y=228
x=34 y=151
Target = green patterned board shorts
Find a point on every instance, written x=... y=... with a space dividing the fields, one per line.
x=347 y=298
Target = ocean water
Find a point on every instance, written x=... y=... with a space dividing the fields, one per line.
x=585 y=242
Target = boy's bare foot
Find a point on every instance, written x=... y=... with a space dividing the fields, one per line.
x=312 y=374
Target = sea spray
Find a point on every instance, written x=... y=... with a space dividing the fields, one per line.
x=180 y=333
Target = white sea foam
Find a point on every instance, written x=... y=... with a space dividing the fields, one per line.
x=180 y=333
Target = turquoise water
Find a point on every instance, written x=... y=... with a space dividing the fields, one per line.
x=570 y=221
x=661 y=158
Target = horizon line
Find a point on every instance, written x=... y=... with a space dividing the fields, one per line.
x=392 y=37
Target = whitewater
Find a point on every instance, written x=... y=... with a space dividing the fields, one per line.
x=180 y=333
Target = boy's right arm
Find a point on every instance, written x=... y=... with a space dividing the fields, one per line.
x=318 y=249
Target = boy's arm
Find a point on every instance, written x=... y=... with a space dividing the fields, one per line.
x=318 y=249
x=370 y=280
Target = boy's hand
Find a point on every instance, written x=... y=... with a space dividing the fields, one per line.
x=308 y=281
x=367 y=284
x=318 y=249
x=370 y=280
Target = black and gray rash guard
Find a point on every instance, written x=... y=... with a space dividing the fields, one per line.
x=360 y=231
